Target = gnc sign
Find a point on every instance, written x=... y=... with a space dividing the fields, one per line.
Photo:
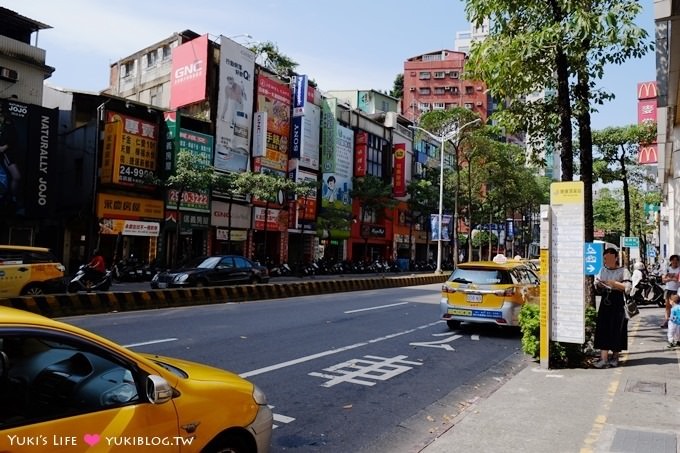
x=647 y=154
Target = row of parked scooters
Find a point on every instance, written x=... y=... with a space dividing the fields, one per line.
x=329 y=267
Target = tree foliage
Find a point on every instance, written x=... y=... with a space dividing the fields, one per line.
x=398 y=86
x=617 y=160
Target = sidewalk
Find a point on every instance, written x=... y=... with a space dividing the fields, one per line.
x=634 y=408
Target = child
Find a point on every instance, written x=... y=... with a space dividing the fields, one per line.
x=674 y=324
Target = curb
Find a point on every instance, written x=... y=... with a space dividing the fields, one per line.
x=58 y=305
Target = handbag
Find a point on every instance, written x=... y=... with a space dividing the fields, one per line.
x=630 y=307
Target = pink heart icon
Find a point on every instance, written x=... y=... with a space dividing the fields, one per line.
x=91 y=439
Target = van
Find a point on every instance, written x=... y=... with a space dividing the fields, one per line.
x=29 y=271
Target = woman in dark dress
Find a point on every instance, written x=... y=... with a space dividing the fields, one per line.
x=611 y=328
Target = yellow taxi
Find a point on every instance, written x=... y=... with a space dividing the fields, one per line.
x=63 y=388
x=488 y=292
x=29 y=271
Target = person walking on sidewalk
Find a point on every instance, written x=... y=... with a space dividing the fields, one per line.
x=670 y=278
x=611 y=326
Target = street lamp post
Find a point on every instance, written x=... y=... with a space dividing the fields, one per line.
x=442 y=139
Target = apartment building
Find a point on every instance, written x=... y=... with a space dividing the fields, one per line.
x=432 y=81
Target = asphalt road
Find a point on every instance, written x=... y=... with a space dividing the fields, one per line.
x=359 y=371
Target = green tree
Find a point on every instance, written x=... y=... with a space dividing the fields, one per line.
x=618 y=149
x=225 y=183
x=608 y=212
x=423 y=199
x=398 y=86
x=438 y=122
x=267 y=188
x=270 y=57
x=375 y=198
x=192 y=174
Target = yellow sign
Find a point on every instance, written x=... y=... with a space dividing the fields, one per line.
x=544 y=307
x=130 y=150
x=112 y=206
x=570 y=192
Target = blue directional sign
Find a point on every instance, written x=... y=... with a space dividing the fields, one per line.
x=592 y=257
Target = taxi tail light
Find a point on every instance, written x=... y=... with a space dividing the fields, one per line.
x=448 y=289
x=505 y=292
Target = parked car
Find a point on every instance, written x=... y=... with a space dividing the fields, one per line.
x=29 y=271
x=219 y=270
x=72 y=389
x=488 y=292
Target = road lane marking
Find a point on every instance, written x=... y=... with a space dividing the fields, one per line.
x=308 y=358
x=375 y=308
x=144 y=343
x=368 y=367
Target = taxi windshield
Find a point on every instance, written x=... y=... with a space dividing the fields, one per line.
x=481 y=276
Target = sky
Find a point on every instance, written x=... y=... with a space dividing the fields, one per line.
x=341 y=45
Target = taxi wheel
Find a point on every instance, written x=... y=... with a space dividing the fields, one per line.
x=32 y=290
x=453 y=324
x=229 y=444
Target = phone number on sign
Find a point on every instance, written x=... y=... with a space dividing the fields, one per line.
x=127 y=173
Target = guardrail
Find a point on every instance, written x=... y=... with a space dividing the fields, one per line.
x=57 y=305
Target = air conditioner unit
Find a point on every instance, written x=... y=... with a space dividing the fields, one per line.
x=8 y=74
x=412 y=89
x=479 y=103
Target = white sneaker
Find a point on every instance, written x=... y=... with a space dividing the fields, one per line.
x=614 y=363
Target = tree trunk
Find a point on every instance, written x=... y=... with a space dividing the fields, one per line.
x=180 y=194
x=564 y=107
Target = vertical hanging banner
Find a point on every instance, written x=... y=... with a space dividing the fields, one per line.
x=234 y=107
x=399 y=186
x=647 y=104
x=360 y=153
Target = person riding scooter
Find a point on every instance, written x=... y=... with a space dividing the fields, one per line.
x=96 y=268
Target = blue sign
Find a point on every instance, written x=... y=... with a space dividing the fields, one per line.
x=651 y=251
x=592 y=257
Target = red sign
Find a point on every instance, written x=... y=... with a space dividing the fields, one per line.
x=360 y=153
x=189 y=72
x=647 y=111
x=399 y=189
x=648 y=154
x=646 y=90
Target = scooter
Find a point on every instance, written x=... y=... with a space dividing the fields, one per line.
x=82 y=282
x=646 y=291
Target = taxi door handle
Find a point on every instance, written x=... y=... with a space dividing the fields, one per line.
x=22 y=269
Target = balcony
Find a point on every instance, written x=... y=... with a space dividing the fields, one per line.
x=22 y=51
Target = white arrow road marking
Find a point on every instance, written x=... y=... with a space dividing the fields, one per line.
x=438 y=343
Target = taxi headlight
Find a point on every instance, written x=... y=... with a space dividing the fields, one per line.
x=259 y=396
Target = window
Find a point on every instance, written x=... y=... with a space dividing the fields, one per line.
x=423 y=106
x=455 y=90
x=52 y=377
x=374 y=156
x=167 y=52
x=425 y=75
x=424 y=90
x=439 y=90
x=439 y=74
x=469 y=105
x=469 y=90
x=438 y=106
x=151 y=58
x=127 y=69
x=454 y=74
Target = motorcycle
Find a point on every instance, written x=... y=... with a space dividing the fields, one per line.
x=82 y=281
x=645 y=290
